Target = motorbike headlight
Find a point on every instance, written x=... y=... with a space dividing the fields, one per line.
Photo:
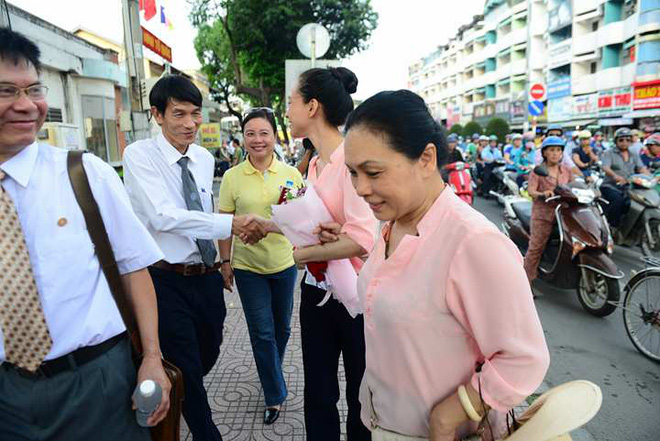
x=584 y=195
x=578 y=246
x=610 y=244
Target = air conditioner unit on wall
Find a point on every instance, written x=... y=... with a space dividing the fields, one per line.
x=62 y=135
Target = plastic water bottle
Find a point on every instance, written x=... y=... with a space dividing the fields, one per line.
x=147 y=397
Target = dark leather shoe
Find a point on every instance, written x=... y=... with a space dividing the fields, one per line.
x=271 y=415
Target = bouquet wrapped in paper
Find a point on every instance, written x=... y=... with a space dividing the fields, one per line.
x=297 y=215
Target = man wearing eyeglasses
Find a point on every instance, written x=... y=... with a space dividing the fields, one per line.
x=65 y=360
x=170 y=183
x=619 y=164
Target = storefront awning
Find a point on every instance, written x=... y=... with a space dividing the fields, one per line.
x=505 y=22
x=608 y=122
x=579 y=122
x=648 y=113
x=480 y=90
x=504 y=81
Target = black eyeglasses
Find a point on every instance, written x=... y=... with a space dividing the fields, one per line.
x=258 y=109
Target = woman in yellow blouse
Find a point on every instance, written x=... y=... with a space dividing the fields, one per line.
x=265 y=273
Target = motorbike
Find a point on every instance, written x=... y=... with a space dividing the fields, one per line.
x=460 y=180
x=504 y=183
x=641 y=225
x=577 y=255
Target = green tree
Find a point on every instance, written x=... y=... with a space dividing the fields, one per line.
x=456 y=128
x=471 y=128
x=499 y=128
x=242 y=44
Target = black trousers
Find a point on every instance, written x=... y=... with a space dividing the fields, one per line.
x=619 y=204
x=327 y=332
x=191 y=317
x=488 y=178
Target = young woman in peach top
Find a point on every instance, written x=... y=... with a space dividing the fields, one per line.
x=448 y=309
x=318 y=106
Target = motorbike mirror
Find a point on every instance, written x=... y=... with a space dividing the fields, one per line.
x=541 y=170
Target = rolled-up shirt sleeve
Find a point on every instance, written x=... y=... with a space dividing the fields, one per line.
x=488 y=293
x=133 y=246
x=151 y=198
x=360 y=223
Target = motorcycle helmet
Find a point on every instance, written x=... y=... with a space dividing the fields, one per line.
x=452 y=137
x=552 y=141
x=483 y=138
x=584 y=134
x=653 y=140
x=475 y=136
x=516 y=136
x=555 y=127
x=492 y=138
x=623 y=132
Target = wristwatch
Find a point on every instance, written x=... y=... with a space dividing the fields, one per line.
x=223 y=261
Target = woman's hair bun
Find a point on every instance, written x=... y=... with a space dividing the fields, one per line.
x=346 y=77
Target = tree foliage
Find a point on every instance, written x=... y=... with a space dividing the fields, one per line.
x=471 y=128
x=456 y=128
x=242 y=44
x=499 y=128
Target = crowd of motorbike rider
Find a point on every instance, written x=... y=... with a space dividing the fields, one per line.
x=565 y=158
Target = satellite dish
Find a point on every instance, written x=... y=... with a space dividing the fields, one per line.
x=313 y=40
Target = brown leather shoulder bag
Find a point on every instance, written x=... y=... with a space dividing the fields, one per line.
x=169 y=428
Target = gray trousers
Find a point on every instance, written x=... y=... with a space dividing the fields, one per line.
x=90 y=402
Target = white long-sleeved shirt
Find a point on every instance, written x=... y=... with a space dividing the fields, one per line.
x=152 y=177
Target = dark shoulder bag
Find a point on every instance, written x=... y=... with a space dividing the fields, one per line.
x=169 y=428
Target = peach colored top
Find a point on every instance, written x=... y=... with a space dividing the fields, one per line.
x=336 y=190
x=445 y=301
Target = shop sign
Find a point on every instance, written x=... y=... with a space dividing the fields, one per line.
x=560 y=14
x=614 y=102
x=517 y=109
x=560 y=109
x=585 y=106
x=152 y=42
x=647 y=95
x=559 y=88
x=560 y=54
x=211 y=135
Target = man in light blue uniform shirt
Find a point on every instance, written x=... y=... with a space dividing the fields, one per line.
x=81 y=388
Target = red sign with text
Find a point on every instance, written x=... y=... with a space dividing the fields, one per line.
x=152 y=42
x=646 y=95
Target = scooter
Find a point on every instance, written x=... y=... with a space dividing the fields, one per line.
x=641 y=225
x=460 y=180
x=504 y=183
x=577 y=255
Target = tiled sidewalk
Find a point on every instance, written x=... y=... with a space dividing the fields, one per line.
x=235 y=394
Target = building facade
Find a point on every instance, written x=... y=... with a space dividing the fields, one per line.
x=599 y=61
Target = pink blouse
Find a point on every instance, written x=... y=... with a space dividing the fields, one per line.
x=445 y=301
x=334 y=187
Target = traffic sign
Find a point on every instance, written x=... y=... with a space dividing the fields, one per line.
x=537 y=92
x=535 y=108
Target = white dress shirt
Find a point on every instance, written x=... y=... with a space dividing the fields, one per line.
x=153 y=180
x=76 y=299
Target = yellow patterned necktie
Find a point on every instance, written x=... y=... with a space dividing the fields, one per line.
x=26 y=337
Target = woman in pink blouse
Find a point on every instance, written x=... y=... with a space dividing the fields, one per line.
x=448 y=309
x=318 y=106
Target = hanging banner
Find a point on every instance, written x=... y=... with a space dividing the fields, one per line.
x=560 y=109
x=559 y=88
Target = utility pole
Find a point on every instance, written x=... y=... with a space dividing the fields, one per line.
x=140 y=128
x=4 y=15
